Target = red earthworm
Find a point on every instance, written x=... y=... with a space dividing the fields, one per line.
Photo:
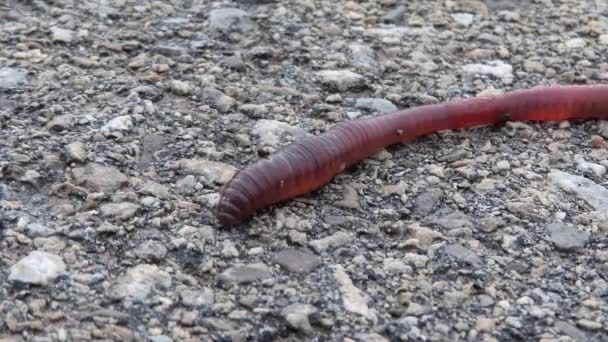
x=307 y=164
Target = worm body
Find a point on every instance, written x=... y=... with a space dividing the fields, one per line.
x=307 y=164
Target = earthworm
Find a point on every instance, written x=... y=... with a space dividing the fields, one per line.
x=309 y=163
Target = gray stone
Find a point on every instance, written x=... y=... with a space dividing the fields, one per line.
x=12 y=78
x=196 y=298
x=139 y=282
x=122 y=211
x=462 y=254
x=454 y=220
x=566 y=237
x=180 y=87
x=99 y=178
x=151 y=251
x=227 y=20
x=213 y=172
x=120 y=123
x=341 y=80
x=38 y=268
x=217 y=99
x=273 y=132
x=426 y=201
x=589 y=191
x=76 y=151
x=353 y=299
x=375 y=104
x=61 y=35
x=38 y=230
x=60 y=123
x=497 y=68
x=243 y=274
x=297 y=316
x=338 y=239
x=297 y=261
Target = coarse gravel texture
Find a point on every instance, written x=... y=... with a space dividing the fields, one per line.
x=121 y=119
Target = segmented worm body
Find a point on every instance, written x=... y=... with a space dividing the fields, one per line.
x=307 y=164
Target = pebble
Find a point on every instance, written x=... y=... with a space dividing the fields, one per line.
x=99 y=178
x=227 y=20
x=76 y=152
x=335 y=240
x=297 y=316
x=151 y=251
x=274 y=133
x=463 y=254
x=426 y=201
x=498 y=69
x=341 y=80
x=297 y=261
x=464 y=19
x=181 y=88
x=353 y=299
x=211 y=171
x=11 y=78
x=567 y=238
x=37 y=268
x=244 y=274
x=61 y=35
x=375 y=104
x=139 y=282
x=122 y=211
x=592 y=193
x=197 y=298
x=576 y=43
x=217 y=99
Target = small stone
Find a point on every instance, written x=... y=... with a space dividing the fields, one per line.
x=273 y=132
x=38 y=268
x=566 y=237
x=462 y=254
x=375 y=104
x=61 y=35
x=38 y=230
x=497 y=68
x=454 y=220
x=151 y=251
x=99 y=178
x=195 y=298
x=76 y=152
x=397 y=189
x=181 y=88
x=227 y=20
x=464 y=19
x=338 y=239
x=592 y=193
x=426 y=201
x=350 y=198
x=296 y=261
x=341 y=80
x=12 y=78
x=120 y=123
x=243 y=274
x=60 y=123
x=503 y=165
x=139 y=282
x=353 y=299
x=217 y=99
x=122 y=211
x=297 y=316
x=213 y=172
x=576 y=43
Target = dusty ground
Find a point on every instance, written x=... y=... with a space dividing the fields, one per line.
x=120 y=120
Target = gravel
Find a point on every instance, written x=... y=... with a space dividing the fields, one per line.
x=120 y=121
